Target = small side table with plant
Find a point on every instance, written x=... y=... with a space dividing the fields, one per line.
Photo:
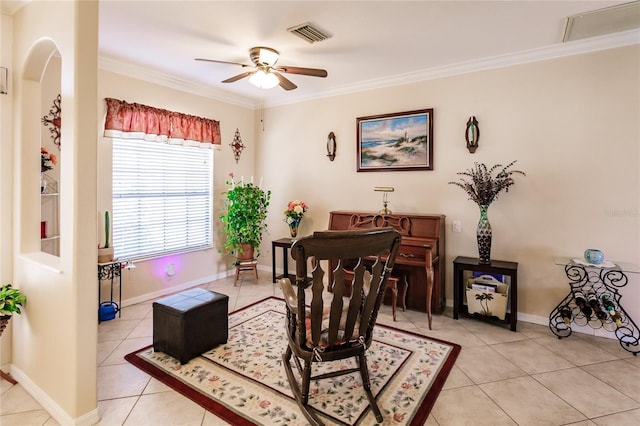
x=244 y=219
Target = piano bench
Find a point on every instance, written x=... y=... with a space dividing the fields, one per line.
x=392 y=284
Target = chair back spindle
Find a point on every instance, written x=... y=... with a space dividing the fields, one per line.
x=329 y=325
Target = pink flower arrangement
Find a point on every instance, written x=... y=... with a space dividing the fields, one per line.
x=295 y=210
x=47 y=161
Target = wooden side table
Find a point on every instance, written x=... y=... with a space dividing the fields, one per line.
x=510 y=269
x=285 y=245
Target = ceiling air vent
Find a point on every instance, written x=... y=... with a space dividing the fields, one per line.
x=599 y=22
x=308 y=32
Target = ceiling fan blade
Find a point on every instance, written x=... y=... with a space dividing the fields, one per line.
x=285 y=83
x=222 y=62
x=238 y=77
x=314 y=72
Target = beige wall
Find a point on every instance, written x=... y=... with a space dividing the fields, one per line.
x=55 y=339
x=149 y=279
x=6 y=181
x=571 y=123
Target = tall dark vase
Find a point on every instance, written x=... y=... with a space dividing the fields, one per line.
x=483 y=233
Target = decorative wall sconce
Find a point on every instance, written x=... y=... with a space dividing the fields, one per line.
x=472 y=134
x=4 y=80
x=52 y=120
x=331 y=146
x=385 y=190
x=237 y=145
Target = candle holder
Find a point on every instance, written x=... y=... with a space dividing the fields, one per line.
x=472 y=134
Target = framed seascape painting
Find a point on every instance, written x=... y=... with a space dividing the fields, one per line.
x=398 y=141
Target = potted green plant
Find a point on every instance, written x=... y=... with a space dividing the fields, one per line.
x=11 y=300
x=244 y=220
x=105 y=253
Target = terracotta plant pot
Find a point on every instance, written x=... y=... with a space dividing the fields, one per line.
x=4 y=321
x=247 y=252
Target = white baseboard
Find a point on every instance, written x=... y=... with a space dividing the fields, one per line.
x=57 y=412
x=174 y=289
x=93 y=416
x=537 y=319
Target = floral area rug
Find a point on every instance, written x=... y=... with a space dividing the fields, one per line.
x=244 y=381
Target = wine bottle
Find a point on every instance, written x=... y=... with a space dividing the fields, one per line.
x=565 y=313
x=595 y=306
x=582 y=304
x=607 y=302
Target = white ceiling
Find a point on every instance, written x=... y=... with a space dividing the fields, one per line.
x=372 y=44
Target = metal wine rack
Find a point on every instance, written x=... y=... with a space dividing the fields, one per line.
x=600 y=281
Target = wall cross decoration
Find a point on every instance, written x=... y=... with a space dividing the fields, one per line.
x=237 y=145
x=52 y=120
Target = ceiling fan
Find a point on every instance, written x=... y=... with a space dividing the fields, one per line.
x=265 y=74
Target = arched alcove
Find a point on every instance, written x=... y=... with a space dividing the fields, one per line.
x=40 y=100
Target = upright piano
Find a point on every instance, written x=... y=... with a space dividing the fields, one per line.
x=421 y=254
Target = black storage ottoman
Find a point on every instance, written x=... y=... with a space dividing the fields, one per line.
x=190 y=323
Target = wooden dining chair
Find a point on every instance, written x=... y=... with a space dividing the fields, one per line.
x=327 y=326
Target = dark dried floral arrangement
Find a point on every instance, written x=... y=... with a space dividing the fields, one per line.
x=484 y=187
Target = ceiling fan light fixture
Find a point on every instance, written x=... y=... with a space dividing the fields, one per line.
x=264 y=56
x=264 y=80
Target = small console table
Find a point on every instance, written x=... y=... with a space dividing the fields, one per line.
x=598 y=284
x=510 y=269
x=110 y=271
x=285 y=245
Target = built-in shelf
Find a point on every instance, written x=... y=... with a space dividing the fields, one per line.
x=49 y=213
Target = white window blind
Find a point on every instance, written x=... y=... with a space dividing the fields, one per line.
x=162 y=201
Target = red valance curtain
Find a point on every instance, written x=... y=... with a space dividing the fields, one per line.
x=125 y=120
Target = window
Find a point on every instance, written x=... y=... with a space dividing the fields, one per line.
x=162 y=198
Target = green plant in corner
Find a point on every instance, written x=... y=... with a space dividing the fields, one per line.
x=244 y=221
x=11 y=300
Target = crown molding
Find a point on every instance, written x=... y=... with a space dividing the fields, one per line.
x=10 y=7
x=577 y=47
x=152 y=76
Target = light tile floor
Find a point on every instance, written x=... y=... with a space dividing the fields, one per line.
x=500 y=378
